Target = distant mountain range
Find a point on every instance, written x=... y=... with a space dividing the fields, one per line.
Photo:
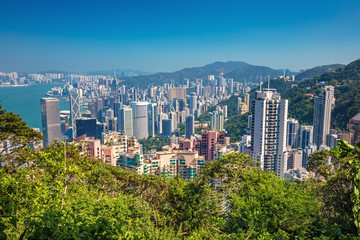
x=239 y=71
x=317 y=71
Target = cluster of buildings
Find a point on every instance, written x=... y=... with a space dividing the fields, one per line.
x=110 y=118
x=280 y=144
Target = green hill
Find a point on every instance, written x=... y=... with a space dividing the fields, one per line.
x=317 y=71
x=347 y=94
x=301 y=103
x=58 y=193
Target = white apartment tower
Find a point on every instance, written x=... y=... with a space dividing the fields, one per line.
x=268 y=131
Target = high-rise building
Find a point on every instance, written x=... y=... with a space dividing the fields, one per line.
x=182 y=104
x=268 y=131
x=166 y=127
x=178 y=93
x=292 y=132
x=74 y=109
x=193 y=103
x=174 y=121
x=125 y=121
x=217 y=120
x=225 y=111
x=50 y=118
x=152 y=119
x=189 y=126
x=306 y=136
x=322 y=114
x=111 y=121
x=86 y=126
x=207 y=145
x=140 y=119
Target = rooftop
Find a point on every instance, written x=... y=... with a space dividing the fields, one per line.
x=356 y=117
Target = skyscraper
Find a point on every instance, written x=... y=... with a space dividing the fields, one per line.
x=189 y=126
x=140 y=119
x=50 y=118
x=152 y=119
x=292 y=132
x=217 y=120
x=166 y=127
x=268 y=131
x=74 y=109
x=111 y=121
x=306 y=136
x=125 y=121
x=193 y=103
x=322 y=114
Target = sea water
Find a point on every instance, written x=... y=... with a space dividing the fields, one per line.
x=26 y=101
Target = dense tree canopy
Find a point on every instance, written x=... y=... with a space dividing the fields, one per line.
x=57 y=193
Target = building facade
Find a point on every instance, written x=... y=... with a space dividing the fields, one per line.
x=322 y=114
x=50 y=118
x=268 y=131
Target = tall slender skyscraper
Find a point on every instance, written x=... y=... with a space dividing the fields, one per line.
x=292 y=132
x=268 y=131
x=189 y=126
x=152 y=119
x=50 y=118
x=193 y=103
x=74 y=109
x=140 y=119
x=322 y=114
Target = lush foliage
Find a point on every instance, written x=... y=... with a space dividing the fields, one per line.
x=231 y=103
x=347 y=94
x=153 y=143
x=301 y=97
x=236 y=127
x=57 y=193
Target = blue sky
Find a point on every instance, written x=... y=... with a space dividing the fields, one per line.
x=170 y=35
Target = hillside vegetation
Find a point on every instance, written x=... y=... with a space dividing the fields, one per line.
x=317 y=71
x=57 y=193
x=347 y=94
x=301 y=102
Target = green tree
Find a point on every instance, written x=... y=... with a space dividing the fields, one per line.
x=15 y=135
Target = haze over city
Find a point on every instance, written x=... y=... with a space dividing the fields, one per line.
x=156 y=36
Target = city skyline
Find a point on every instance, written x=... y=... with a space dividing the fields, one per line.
x=168 y=36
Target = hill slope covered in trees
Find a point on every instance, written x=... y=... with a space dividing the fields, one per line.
x=317 y=71
x=301 y=103
x=58 y=193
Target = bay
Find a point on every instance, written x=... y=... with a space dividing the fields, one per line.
x=26 y=101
